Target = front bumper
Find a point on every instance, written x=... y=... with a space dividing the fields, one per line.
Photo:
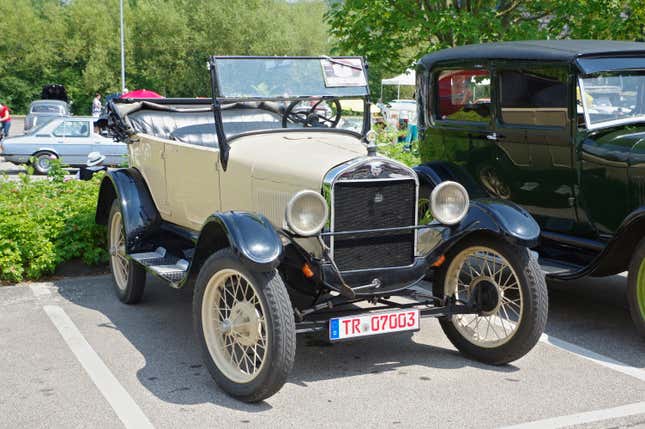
x=379 y=281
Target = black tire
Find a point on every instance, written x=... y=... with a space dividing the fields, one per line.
x=280 y=328
x=534 y=302
x=636 y=292
x=130 y=291
x=39 y=164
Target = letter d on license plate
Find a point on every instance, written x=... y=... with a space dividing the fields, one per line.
x=363 y=325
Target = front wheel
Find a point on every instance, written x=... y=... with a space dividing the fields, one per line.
x=636 y=288
x=507 y=286
x=245 y=327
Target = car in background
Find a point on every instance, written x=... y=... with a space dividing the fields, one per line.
x=558 y=127
x=43 y=111
x=399 y=109
x=69 y=139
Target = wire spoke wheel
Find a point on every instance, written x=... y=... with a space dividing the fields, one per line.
x=483 y=276
x=235 y=326
x=118 y=259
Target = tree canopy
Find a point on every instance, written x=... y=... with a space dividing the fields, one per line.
x=393 y=34
x=76 y=43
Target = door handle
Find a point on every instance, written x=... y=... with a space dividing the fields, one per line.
x=494 y=136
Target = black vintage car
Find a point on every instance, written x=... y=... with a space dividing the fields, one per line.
x=285 y=222
x=558 y=127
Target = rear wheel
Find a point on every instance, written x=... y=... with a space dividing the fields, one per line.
x=42 y=162
x=245 y=326
x=129 y=277
x=636 y=288
x=507 y=285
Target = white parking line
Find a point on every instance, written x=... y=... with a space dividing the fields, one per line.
x=583 y=418
x=40 y=289
x=122 y=403
x=595 y=357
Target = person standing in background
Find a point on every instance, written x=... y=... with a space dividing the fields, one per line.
x=5 y=119
x=96 y=105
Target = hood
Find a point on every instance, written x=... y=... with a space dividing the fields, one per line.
x=300 y=159
x=267 y=169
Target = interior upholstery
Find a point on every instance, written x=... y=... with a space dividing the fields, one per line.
x=197 y=126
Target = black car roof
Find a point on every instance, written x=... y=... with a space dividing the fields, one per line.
x=539 y=50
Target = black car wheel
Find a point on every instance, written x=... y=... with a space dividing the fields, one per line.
x=636 y=288
x=42 y=162
x=129 y=277
x=507 y=286
x=245 y=327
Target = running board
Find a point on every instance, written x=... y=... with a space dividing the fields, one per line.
x=163 y=265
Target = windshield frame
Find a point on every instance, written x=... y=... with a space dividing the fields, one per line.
x=586 y=108
x=218 y=100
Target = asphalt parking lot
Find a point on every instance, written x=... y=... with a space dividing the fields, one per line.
x=73 y=356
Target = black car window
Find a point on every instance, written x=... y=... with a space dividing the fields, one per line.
x=534 y=97
x=463 y=95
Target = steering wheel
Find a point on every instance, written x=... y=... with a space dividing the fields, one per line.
x=309 y=117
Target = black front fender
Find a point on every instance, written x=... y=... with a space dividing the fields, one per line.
x=251 y=237
x=497 y=218
x=139 y=212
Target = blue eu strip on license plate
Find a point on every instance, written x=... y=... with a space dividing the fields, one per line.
x=373 y=324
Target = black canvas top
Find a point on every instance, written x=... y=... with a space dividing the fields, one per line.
x=539 y=50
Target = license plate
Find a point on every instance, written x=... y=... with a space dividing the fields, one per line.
x=341 y=328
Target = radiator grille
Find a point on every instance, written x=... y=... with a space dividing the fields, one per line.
x=365 y=205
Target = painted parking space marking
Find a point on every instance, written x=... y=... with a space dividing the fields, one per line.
x=40 y=290
x=594 y=357
x=583 y=418
x=119 y=399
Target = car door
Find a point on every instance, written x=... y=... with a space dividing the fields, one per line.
x=116 y=153
x=463 y=120
x=72 y=141
x=192 y=183
x=533 y=125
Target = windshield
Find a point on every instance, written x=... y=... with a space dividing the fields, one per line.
x=613 y=97
x=285 y=78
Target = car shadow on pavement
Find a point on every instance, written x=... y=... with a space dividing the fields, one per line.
x=160 y=329
x=592 y=313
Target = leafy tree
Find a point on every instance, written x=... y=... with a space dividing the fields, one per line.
x=76 y=43
x=394 y=34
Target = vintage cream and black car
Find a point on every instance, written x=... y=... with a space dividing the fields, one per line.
x=286 y=223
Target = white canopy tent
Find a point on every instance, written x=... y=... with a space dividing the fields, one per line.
x=408 y=78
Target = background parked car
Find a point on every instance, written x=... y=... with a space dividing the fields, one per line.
x=43 y=111
x=69 y=139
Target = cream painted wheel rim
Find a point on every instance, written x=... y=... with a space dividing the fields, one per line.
x=482 y=264
x=234 y=326
x=118 y=258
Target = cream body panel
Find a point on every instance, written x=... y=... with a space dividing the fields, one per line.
x=192 y=183
x=265 y=170
x=146 y=155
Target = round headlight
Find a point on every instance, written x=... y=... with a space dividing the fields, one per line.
x=307 y=213
x=449 y=202
x=370 y=136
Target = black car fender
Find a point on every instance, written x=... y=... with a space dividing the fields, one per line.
x=432 y=173
x=251 y=237
x=500 y=217
x=141 y=218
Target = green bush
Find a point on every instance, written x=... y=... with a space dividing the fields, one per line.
x=387 y=146
x=46 y=222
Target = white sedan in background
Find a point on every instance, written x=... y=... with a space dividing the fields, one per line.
x=69 y=139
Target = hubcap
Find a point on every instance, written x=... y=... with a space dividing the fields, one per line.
x=44 y=163
x=483 y=277
x=640 y=289
x=234 y=324
x=118 y=259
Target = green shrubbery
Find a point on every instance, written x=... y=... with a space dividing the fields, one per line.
x=387 y=146
x=46 y=222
